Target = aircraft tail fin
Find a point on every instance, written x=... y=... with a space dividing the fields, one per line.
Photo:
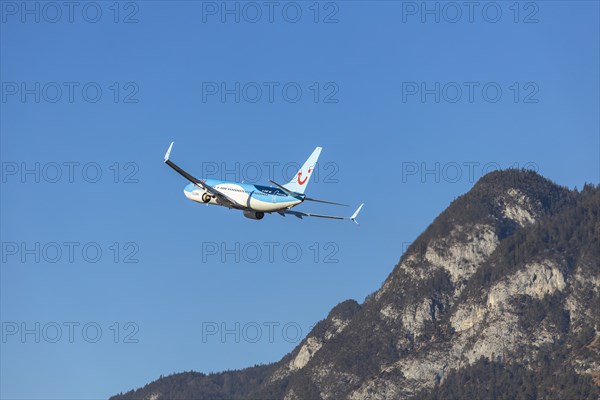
x=300 y=180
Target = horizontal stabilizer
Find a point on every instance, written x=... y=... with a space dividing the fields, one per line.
x=289 y=192
x=324 y=201
x=301 y=196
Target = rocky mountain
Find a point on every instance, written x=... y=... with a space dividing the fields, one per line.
x=498 y=298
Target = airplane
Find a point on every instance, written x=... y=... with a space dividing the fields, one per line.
x=256 y=200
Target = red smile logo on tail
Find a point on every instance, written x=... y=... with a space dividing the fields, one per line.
x=302 y=182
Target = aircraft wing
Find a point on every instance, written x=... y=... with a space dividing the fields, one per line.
x=223 y=198
x=300 y=214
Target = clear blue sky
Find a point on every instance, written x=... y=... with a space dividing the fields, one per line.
x=367 y=117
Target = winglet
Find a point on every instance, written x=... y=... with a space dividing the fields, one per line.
x=168 y=153
x=353 y=217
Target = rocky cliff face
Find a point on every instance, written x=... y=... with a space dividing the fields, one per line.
x=502 y=288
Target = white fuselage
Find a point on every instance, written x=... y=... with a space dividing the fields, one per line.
x=246 y=196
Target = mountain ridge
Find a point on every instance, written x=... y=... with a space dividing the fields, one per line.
x=515 y=248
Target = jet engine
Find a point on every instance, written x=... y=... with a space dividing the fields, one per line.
x=254 y=214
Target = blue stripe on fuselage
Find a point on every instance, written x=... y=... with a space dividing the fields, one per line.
x=263 y=193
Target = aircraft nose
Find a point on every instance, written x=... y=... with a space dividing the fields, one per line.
x=187 y=191
x=189 y=187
